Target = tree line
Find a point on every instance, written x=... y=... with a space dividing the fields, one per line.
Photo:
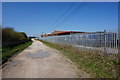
x=10 y=37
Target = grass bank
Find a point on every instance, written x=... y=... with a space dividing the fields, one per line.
x=92 y=62
x=8 y=52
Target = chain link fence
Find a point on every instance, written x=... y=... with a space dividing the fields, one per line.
x=103 y=41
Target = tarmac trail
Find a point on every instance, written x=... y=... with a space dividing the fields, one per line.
x=40 y=61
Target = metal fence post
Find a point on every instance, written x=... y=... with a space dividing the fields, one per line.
x=105 y=41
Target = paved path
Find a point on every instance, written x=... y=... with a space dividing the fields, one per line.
x=40 y=61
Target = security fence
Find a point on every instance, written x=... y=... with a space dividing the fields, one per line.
x=95 y=40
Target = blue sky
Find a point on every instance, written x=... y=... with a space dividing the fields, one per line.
x=37 y=17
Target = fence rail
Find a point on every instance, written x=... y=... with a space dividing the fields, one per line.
x=96 y=40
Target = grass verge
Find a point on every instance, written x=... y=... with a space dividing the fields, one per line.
x=10 y=51
x=92 y=62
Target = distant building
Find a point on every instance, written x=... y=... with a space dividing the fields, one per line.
x=58 y=33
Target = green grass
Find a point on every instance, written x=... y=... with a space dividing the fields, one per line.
x=93 y=62
x=8 y=52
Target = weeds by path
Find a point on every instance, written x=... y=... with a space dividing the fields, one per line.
x=93 y=62
x=10 y=51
